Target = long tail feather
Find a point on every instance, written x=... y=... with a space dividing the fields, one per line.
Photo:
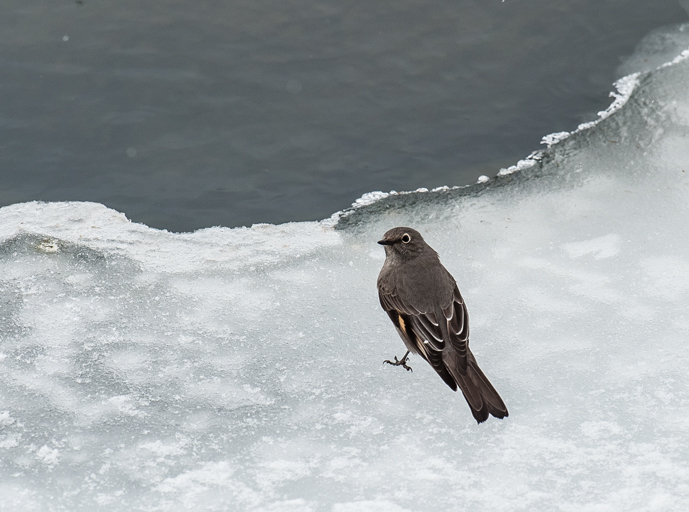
x=479 y=393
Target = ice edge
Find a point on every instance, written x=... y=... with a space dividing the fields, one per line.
x=624 y=88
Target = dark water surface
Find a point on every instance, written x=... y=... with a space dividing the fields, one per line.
x=193 y=114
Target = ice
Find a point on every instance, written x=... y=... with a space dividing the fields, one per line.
x=657 y=48
x=241 y=369
x=624 y=88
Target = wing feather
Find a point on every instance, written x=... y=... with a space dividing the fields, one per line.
x=420 y=331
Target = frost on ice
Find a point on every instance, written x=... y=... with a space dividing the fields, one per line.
x=240 y=369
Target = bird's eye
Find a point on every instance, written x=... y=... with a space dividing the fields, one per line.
x=406 y=238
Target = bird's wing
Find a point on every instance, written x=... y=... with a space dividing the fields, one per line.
x=426 y=324
x=457 y=319
x=420 y=331
x=423 y=333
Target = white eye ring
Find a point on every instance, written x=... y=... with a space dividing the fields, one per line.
x=406 y=238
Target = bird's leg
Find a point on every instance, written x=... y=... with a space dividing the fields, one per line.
x=402 y=362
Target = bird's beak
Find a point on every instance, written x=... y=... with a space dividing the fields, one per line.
x=385 y=242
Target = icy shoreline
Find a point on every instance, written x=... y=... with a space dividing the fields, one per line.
x=650 y=50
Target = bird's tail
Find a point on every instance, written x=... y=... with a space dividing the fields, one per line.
x=477 y=390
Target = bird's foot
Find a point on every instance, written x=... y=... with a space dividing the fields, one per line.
x=402 y=362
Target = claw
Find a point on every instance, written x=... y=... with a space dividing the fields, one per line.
x=402 y=362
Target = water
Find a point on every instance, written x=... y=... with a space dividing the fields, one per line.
x=189 y=115
x=241 y=369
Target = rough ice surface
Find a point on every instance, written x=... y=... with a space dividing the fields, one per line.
x=240 y=369
x=624 y=88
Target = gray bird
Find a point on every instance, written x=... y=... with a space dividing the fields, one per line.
x=423 y=301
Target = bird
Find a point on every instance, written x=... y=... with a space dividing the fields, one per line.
x=423 y=301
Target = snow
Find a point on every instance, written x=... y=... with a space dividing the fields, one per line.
x=241 y=369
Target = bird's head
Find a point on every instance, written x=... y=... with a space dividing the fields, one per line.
x=405 y=243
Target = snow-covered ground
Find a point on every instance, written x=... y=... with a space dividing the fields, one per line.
x=241 y=369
